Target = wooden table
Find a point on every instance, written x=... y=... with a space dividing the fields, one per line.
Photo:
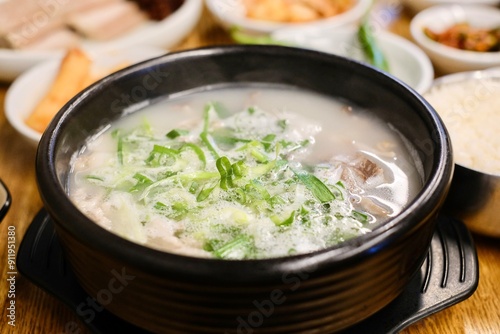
x=38 y=312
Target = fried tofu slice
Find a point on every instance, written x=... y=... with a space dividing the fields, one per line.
x=71 y=79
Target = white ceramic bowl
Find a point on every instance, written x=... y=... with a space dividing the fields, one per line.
x=231 y=13
x=448 y=59
x=164 y=34
x=418 y=5
x=406 y=61
x=37 y=80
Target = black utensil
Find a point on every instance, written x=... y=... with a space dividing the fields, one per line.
x=5 y=200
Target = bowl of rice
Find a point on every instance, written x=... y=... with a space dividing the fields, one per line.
x=469 y=104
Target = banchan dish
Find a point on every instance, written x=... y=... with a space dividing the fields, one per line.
x=324 y=291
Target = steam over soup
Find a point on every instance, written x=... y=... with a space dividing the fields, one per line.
x=245 y=173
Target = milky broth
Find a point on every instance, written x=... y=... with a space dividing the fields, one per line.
x=249 y=172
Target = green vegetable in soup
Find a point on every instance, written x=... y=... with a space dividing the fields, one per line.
x=219 y=181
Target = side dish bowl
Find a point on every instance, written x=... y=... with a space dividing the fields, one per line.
x=162 y=34
x=475 y=189
x=38 y=80
x=406 y=61
x=232 y=14
x=448 y=59
x=323 y=291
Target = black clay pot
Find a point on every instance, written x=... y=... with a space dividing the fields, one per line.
x=321 y=292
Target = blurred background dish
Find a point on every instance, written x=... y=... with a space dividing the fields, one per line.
x=234 y=13
x=468 y=103
x=38 y=80
x=163 y=33
x=418 y=5
x=450 y=53
x=405 y=60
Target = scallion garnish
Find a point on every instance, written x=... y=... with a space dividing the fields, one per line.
x=360 y=216
x=204 y=135
x=176 y=133
x=318 y=188
x=199 y=152
x=242 y=243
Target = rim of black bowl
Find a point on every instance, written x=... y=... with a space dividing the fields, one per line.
x=161 y=263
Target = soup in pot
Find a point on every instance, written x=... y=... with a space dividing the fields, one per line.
x=245 y=173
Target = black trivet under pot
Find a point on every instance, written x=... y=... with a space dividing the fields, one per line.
x=449 y=274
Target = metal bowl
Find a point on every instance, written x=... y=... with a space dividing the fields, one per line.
x=320 y=292
x=474 y=198
x=474 y=194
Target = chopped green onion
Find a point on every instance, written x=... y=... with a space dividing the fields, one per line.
x=361 y=217
x=318 y=188
x=238 y=168
x=94 y=177
x=267 y=141
x=158 y=155
x=177 y=133
x=142 y=182
x=180 y=209
x=220 y=109
x=239 y=242
x=197 y=150
x=282 y=123
x=198 y=176
x=226 y=139
x=194 y=187
x=286 y=222
x=204 y=193
x=204 y=134
x=119 y=150
x=160 y=206
x=226 y=172
x=165 y=150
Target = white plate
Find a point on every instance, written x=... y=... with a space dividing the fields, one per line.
x=406 y=61
x=163 y=34
x=37 y=80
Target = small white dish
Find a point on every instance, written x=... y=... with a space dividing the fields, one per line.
x=447 y=59
x=232 y=13
x=419 y=5
x=38 y=79
x=163 y=34
x=407 y=61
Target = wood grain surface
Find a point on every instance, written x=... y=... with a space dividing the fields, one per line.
x=38 y=312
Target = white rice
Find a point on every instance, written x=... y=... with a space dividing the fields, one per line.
x=470 y=110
